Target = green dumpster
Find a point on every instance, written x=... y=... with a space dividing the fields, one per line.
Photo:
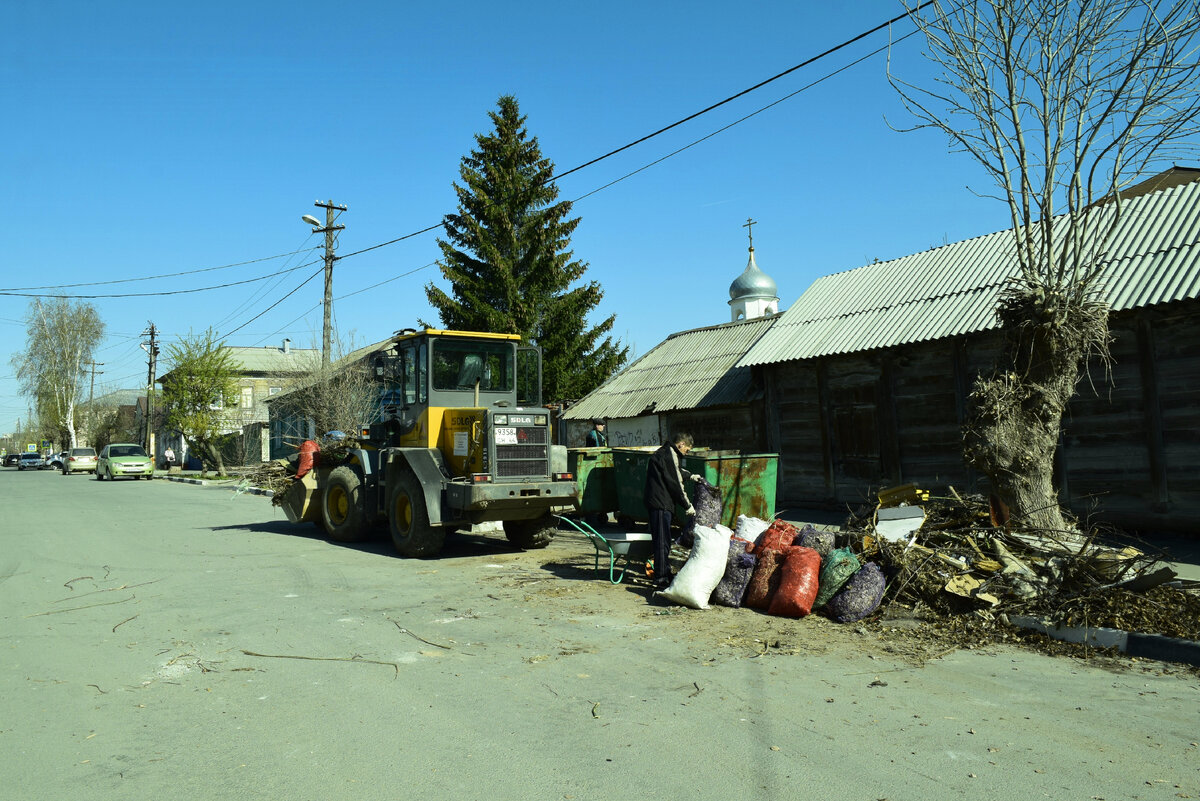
x=747 y=481
x=595 y=478
x=629 y=467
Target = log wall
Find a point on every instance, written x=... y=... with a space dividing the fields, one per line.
x=1130 y=453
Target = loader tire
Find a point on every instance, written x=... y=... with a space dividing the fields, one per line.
x=342 y=512
x=531 y=534
x=408 y=520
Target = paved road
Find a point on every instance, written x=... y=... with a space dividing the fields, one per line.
x=166 y=640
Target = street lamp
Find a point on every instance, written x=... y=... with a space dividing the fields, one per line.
x=328 y=229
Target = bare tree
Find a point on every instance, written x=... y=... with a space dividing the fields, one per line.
x=340 y=396
x=1064 y=103
x=61 y=337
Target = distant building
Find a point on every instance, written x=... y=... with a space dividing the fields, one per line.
x=263 y=373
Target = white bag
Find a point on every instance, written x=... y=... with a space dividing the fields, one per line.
x=702 y=572
x=748 y=528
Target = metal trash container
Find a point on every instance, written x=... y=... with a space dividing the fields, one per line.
x=629 y=467
x=595 y=478
x=747 y=481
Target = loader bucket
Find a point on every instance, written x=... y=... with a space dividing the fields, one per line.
x=299 y=500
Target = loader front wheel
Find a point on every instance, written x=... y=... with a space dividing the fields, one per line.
x=342 y=511
x=408 y=520
x=530 y=534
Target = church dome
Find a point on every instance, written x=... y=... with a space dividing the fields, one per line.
x=753 y=283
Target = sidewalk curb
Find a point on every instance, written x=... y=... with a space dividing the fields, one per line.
x=205 y=482
x=1146 y=646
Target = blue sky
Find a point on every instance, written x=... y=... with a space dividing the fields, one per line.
x=146 y=138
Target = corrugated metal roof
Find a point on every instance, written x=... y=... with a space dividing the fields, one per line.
x=273 y=360
x=1154 y=257
x=689 y=370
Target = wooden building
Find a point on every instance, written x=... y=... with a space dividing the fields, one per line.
x=866 y=376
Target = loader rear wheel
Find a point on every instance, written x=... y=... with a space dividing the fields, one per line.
x=408 y=520
x=342 y=506
x=530 y=534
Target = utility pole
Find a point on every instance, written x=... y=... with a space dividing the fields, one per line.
x=92 y=388
x=152 y=349
x=329 y=229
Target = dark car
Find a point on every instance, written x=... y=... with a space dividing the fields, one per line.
x=30 y=461
x=10 y=460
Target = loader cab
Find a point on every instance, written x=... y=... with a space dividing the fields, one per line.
x=437 y=383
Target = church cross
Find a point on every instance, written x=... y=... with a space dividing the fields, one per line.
x=750 y=230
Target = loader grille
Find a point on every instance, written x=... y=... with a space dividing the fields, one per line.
x=527 y=458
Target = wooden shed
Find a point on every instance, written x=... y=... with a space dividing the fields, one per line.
x=866 y=377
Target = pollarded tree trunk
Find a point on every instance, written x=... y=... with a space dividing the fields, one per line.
x=1016 y=416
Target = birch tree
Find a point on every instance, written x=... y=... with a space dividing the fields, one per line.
x=61 y=339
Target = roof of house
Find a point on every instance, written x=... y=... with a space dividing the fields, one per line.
x=119 y=397
x=689 y=370
x=1153 y=257
x=269 y=360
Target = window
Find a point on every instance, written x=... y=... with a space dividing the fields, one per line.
x=459 y=364
x=275 y=390
x=247 y=397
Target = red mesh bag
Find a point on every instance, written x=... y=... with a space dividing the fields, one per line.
x=798 y=583
x=308 y=450
x=779 y=535
x=766 y=578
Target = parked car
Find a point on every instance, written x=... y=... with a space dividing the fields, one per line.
x=30 y=461
x=10 y=459
x=55 y=460
x=79 y=460
x=124 y=459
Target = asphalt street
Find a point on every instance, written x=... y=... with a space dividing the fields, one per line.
x=164 y=640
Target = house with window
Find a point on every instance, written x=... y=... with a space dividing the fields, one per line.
x=262 y=373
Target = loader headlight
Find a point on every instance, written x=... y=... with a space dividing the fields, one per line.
x=500 y=420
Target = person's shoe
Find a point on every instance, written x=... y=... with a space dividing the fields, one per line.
x=663 y=583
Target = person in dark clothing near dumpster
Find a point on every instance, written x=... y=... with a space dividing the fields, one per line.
x=596 y=438
x=665 y=489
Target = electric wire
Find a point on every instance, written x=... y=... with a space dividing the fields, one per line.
x=151 y=277
x=689 y=118
x=276 y=303
x=739 y=121
x=259 y=294
x=158 y=294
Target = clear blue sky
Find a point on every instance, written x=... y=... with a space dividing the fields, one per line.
x=145 y=138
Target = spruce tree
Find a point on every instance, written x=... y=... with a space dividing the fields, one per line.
x=507 y=258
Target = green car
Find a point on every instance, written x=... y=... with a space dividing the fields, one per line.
x=124 y=459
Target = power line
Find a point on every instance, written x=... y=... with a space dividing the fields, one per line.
x=686 y=119
x=276 y=303
x=152 y=277
x=348 y=295
x=159 y=294
x=739 y=121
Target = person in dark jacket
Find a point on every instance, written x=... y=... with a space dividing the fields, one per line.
x=596 y=438
x=666 y=489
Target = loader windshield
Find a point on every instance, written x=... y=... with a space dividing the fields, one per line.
x=458 y=364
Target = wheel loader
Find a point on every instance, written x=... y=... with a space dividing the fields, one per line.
x=461 y=439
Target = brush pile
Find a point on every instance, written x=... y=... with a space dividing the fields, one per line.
x=945 y=556
x=278 y=475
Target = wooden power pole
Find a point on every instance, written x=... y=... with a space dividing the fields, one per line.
x=329 y=229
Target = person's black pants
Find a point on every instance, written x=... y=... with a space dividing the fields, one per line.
x=660 y=534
